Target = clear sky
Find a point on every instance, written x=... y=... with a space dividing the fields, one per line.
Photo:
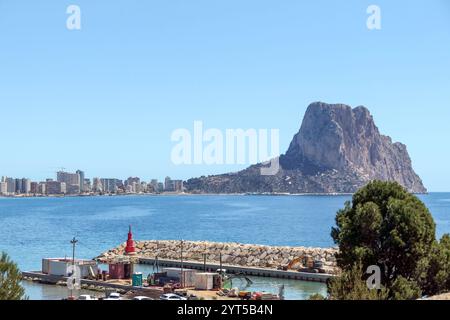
x=106 y=98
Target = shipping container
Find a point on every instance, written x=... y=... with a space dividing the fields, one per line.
x=63 y=267
x=205 y=281
x=121 y=270
x=188 y=275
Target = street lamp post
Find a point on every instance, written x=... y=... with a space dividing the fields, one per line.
x=182 y=273
x=73 y=242
x=204 y=259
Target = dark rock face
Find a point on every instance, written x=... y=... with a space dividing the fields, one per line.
x=337 y=150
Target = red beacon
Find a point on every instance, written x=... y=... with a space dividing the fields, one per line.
x=130 y=249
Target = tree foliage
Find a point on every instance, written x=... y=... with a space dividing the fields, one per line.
x=438 y=275
x=384 y=225
x=10 y=277
x=316 y=297
x=351 y=285
x=404 y=289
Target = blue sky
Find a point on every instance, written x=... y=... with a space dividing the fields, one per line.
x=106 y=98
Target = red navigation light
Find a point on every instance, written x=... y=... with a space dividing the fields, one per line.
x=130 y=249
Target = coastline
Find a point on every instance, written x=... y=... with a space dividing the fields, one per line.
x=169 y=194
x=181 y=194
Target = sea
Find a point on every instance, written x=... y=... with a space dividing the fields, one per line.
x=33 y=228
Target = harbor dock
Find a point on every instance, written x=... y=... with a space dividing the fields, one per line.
x=249 y=271
x=177 y=269
x=151 y=292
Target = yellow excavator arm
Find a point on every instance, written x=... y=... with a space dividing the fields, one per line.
x=304 y=260
x=294 y=262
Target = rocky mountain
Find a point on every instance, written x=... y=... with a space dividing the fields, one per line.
x=337 y=150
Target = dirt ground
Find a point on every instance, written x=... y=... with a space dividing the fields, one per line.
x=445 y=296
x=208 y=295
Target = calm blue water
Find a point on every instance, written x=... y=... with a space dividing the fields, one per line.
x=32 y=228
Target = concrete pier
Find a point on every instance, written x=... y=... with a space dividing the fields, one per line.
x=250 y=271
x=52 y=279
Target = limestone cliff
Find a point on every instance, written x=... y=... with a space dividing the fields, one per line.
x=337 y=150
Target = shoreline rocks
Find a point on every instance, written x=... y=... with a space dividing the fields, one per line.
x=249 y=255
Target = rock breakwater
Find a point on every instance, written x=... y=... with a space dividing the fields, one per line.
x=248 y=255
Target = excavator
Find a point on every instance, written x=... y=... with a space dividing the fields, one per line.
x=227 y=279
x=308 y=265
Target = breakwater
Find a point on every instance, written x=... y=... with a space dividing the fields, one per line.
x=236 y=254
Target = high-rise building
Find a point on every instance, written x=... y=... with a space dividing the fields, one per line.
x=173 y=185
x=87 y=185
x=133 y=185
x=34 y=188
x=131 y=180
x=18 y=184
x=150 y=188
x=110 y=185
x=68 y=178
x=3 y=187
x=154 y=184
x=168 y=184
x=11 y=185
x=55 y=187
x=72 y=189
x=26 y=186
x=97 y=185
x=120 y=185
x=128 y=189
x=42 y=189
x=177 y=185
x=81 y=180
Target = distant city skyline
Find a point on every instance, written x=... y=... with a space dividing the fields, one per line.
x=76 y=183
x=54 y=176
x=106 y=98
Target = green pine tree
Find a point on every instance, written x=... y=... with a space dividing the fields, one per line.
x=386 y=226
x=10 y=278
